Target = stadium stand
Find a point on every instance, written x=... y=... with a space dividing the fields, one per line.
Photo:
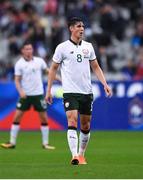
x=115 y=27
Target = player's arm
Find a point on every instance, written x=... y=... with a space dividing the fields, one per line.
x=99 y=73
x=18 y=86
x=51 y=77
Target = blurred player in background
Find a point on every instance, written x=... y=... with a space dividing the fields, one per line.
x=75 y=57
x=28 y=80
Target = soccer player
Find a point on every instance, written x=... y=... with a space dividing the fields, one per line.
x=28 y=81
x=75 y=57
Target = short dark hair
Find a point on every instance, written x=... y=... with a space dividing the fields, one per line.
x=72 y=21
x=27 y=42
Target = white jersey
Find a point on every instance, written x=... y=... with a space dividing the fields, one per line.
x=31 y=75
x=75 y=66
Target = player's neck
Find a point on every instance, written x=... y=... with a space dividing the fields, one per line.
x=76 y=40
x=28 y=58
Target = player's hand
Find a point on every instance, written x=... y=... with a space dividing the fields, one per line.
x=48 y=98
x=22 y=94
x=108 y=91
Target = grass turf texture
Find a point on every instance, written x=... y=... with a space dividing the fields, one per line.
x=110 y=155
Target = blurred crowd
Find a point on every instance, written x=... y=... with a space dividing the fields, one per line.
x=115 y=28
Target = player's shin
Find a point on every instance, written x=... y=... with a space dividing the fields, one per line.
x=14 y=133
x=45 y=133
x=83 y=141
x=72 y=140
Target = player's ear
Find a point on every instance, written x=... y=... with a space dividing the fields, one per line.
x=71 y=28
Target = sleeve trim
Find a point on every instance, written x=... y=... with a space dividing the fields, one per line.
x=93 y=59
x=56 y=62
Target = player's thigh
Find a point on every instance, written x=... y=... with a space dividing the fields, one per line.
x=39 y=103
x=72 y=117
x=23 y=104
x=85 y=105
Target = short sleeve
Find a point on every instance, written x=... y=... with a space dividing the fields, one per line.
x=17 y=69
x=57 y=57
x=92 y=54
x=44 y=65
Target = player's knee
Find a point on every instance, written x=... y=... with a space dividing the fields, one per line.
x=72 y=123
x=44 y=121
x=85 y=126
x=17 y=120
x=72 y=118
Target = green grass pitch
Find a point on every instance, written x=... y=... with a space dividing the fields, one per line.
x=110 y=155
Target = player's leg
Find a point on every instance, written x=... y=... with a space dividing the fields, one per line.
x=72 y=135
x=71 y=108
x=85 y=117
x=22 y=105
x=84 y=136
x=14 y=130
x=40 y=106
x=15 y=126
x=45 y=131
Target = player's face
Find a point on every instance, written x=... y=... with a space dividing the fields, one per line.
x=27 y=51
x=77 y=30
